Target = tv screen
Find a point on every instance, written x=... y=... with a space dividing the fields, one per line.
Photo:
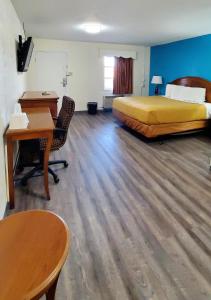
x=24 y=54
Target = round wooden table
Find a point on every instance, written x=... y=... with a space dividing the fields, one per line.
x=33 y=248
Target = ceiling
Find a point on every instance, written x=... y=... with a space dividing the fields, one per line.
x=140 y=22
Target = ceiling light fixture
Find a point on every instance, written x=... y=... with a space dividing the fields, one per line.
x=92 y=28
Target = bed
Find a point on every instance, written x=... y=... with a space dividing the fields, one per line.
x=153 y=116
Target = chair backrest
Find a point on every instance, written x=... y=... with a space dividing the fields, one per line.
x=65 y=115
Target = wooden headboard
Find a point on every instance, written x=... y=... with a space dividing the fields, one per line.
x=195 y=82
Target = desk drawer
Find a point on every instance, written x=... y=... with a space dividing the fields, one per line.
x=40 y=103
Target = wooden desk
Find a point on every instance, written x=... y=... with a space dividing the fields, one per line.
x=37 y=99
x=34 y=247
x=40 y=126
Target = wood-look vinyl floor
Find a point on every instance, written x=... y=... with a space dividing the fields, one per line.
x=139 y=213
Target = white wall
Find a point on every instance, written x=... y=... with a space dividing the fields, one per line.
x=12 y=84
x=86 y=64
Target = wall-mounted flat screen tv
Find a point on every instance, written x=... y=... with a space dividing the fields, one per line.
x=25 y=50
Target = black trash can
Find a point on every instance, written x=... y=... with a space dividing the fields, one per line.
x=92 y=108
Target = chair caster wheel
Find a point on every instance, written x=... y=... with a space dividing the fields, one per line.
x=23 y=182
x=19 y=170
x=56 y=180
x=66 y=164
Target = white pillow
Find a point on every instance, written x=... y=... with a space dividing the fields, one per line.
x=177 y=92
x=188 y=94
x=194 y=94
x=169 y=88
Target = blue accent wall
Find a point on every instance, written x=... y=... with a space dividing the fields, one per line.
x=190 y=57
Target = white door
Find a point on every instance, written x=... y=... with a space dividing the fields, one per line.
x=51 y=72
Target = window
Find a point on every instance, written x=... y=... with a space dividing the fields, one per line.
x=108 y=73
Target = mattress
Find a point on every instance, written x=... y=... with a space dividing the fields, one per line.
x=153 y=110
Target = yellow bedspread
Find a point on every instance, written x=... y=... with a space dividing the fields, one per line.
x=159 y=110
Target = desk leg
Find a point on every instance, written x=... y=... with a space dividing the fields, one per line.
x=10 y=173
x=46 y=159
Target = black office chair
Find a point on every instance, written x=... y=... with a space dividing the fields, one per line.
x=59 y=139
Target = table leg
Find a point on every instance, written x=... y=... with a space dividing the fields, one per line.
x=46 y=159
x=50 y=295
x=10 y=173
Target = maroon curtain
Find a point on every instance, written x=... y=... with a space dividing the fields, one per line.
x=123 y=76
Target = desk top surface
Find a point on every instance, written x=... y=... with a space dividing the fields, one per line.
x=34 y=247
x=39 y=120
x=39 y=95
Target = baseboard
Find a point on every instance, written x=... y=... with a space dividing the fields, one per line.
x=81 y=112
x=107 y=109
